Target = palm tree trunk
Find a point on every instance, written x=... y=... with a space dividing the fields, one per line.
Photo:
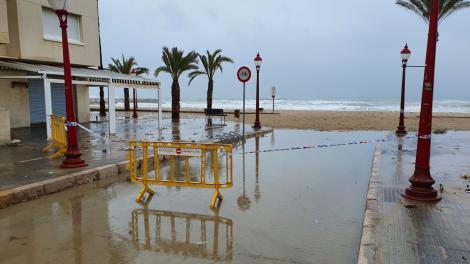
x=210 y=90
x=126 y=99
x=175 y=101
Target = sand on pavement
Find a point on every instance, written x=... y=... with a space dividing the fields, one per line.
x=337 y=120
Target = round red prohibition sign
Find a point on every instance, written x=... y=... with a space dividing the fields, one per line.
x=178 y=151
x=244 y=74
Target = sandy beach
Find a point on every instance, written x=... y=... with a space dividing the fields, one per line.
x=336 y=120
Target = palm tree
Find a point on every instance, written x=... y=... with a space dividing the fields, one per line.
x=175 y=64
x=212 y=63
x=126 y=66
x=423 y=7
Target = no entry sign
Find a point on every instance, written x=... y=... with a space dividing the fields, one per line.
x=187 y=152
x=244 y=74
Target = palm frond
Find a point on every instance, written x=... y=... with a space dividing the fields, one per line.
x=456 y=7
x=162 y=69
x=194 y=74
x=141 y=70
x=423 y=7
x=126 y=66
x=176 y=63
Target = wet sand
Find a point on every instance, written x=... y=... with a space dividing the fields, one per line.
x=309 y=210
x=339 y=120
x=336 y=120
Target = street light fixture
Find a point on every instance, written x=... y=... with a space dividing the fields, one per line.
x=405 y=56
x=258 y=62
x=72 y=156
x=421 y=182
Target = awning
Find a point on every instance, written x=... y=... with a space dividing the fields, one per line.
x=81 y=76
x=86 y=76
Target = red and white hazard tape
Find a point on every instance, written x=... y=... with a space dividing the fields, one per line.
x=388 y=138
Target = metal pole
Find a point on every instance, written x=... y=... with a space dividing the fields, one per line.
x=401 y=126
x=72 y=156
x=134 y=93
x=421 y=182
x=243 y=126
x=102 y=102
x=257 y=124
x=273 y=104
x=158 y=112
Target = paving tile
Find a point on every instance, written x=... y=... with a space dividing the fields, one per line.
x=423 y=233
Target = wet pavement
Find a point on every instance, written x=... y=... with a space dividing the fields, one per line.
x=26 y=163
x=408 y=232
x=298 y=206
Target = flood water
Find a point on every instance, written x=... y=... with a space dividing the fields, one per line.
x=296 y=206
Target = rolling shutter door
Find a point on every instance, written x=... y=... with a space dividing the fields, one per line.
x=37 y=109
x=58 y=99
x=36 y=101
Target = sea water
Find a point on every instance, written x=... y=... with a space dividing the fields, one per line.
x=379 y=105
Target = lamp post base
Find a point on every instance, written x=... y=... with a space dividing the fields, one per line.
x=257 y=126
x=421 y=187
x=401 y=131
x=73 y=161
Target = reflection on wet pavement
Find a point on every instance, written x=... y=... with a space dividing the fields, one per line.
x=243 y=201
x=310 y=211
x=174 y=233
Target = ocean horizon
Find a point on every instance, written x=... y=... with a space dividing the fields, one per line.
x=377 y=105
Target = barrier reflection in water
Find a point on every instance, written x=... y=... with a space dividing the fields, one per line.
x=193 y=235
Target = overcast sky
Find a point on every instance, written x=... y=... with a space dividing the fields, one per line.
x=311 y=49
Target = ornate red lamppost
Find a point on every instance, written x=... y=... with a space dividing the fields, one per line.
x=72 y=156
x=258 y=62
x=405 y=55
x=421 y=182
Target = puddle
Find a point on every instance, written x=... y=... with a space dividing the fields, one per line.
x=298 y=206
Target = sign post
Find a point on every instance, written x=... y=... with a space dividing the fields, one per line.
x=273 y=94
x=244 y=75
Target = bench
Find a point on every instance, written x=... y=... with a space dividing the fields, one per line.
x=215 y=112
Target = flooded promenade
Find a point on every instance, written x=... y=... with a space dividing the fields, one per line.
x=403 y=231
x=25 y=163
x=298 y=206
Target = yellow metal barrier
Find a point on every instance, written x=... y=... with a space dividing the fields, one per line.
x=59 y=136
x=181 y=154
x=157 y=230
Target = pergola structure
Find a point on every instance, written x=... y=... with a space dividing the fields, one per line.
x=14 y=70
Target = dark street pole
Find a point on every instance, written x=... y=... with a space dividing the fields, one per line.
x=102 y=101
x=134 y=114
x=273 y=95
x=405 y=55
x=258 y=62
x=421 y=182
x=134 y=96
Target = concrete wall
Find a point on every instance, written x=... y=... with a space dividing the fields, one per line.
x=4 y=126
x=16 y=100
x=4 y=37
x=83 y=106
x=27 y=38
x=13 y=48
